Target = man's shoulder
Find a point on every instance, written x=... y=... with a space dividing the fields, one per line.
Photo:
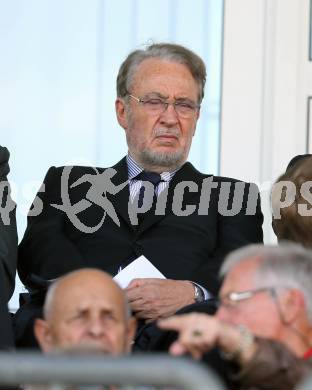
x=191 y=170
x=229 y=185
x=4 y=165
x=79 y=170
x=225 y=179
x=4 y=154
x=73 y=169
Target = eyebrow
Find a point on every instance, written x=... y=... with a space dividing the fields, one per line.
x=83 y=310
x=158 y=94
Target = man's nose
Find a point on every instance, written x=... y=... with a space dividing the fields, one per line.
x=95 y=327
x=169 y=116
x=222 y=314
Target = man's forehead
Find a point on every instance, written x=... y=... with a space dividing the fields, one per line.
x=158 y=64
x=92 y=303
x=93 y=292
x=157 y=68
x=241 y=276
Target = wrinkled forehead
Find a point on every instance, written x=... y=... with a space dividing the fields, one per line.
x=241 y=277
x=93 y=296
x=95 y=304
x=160 y=72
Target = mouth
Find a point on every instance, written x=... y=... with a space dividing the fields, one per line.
x=167 y=138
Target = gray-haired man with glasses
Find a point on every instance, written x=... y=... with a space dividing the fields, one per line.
x=177 y=224
x=268 y=290
x=264 y=320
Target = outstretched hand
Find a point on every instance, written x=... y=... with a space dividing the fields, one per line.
x=198 y=333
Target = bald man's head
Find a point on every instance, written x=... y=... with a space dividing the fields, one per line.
x=86 y=308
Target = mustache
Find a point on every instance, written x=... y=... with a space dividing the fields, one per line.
x=169 y=132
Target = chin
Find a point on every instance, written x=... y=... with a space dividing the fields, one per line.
x=165 y=157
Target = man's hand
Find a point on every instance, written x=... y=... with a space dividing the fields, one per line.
x=151 y=299
x=199 y=332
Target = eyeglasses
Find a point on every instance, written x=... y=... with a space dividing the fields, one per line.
x=155 y=106
x=231 y=299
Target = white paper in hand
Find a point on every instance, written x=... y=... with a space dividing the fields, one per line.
x=139 y=268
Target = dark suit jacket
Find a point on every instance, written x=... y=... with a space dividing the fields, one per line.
x=181 y=247
x=8 y=234
x=8 y=251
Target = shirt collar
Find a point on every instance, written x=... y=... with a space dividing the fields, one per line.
x=134 y=169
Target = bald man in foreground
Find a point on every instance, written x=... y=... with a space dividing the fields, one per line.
x=86 y=310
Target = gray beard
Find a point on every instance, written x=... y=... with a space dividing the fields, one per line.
x=166 y=160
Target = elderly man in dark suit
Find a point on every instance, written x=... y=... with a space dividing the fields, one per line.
x=8 y=250
x=152 y=203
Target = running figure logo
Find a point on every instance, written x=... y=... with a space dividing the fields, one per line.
x=101 y=184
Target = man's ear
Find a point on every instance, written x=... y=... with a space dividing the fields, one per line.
x=292 y=304
x=130 y=333
x=43 y=335
x=121 y=113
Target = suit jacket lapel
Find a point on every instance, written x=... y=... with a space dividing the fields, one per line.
x=186 y=173
x=121 y=199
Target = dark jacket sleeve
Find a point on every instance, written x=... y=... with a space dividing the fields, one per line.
x=273 y=367
x=46 y=251
x=8 y=233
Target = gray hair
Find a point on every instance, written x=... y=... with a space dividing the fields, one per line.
x=165 y=51
x=287 y=265
x=52 y=290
